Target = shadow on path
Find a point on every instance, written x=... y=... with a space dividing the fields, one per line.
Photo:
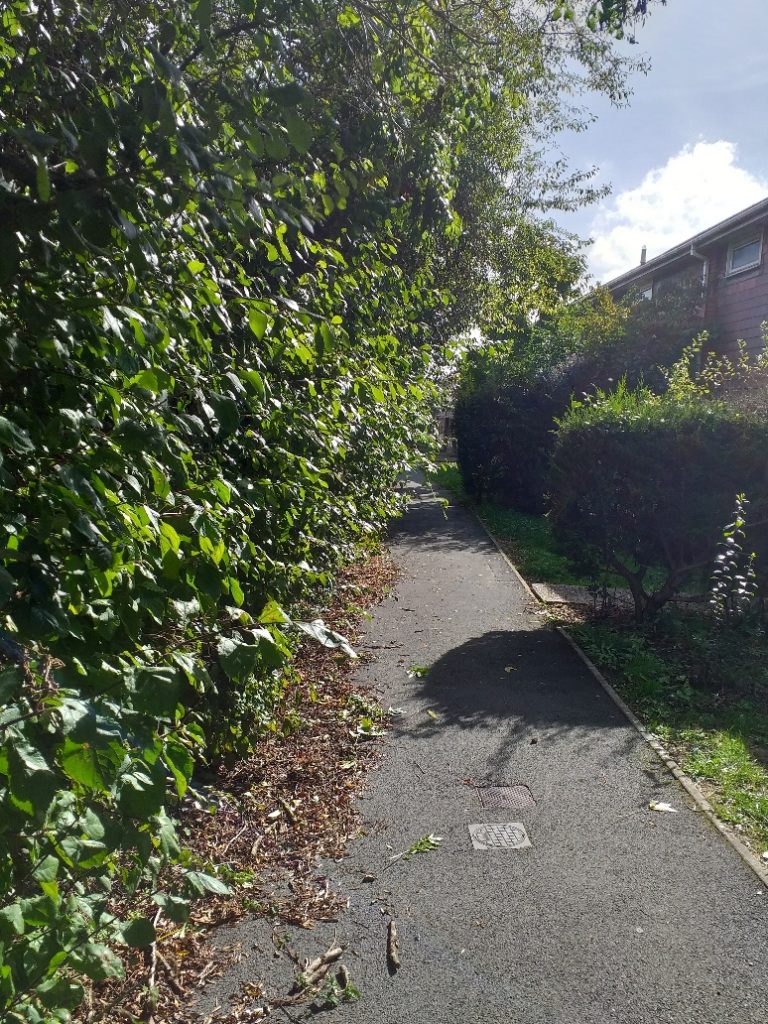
x=522 y=684
x=424 y=527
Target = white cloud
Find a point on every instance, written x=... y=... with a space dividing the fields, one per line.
x=695 y=189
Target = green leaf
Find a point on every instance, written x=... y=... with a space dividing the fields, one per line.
x=181 y=765
x=258 y=322
x=60 y=993
x=12 y=436
x=148 y=380
x=227 y=413
x=256 y=381
x=7 y=987
x=11 y=921
x=273 y=613
x=201 y=883
x=79 y=762
x=327 y=637
x=299 y=132
x=175 y=908
x=167 y=837
x=43 y=179
x=51 y=890
x=97 y=961
x=29 y=759
x=240 y=660
x=348 y=18
x=47 y=869
x=157 y=691
x=141 y=794
x=235 y=590
x=138 y=933
x=237 y=658
x=10 y=683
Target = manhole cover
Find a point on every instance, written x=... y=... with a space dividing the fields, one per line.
x=514 y=797
x=511 y=836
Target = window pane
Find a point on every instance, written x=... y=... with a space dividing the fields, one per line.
x=745 y=255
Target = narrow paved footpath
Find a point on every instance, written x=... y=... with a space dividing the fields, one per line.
x=614 y=914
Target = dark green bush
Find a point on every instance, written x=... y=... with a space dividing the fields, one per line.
x=504 y=430
x=640 y=479
x=509 y=396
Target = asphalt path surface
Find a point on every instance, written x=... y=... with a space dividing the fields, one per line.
x=614 y=913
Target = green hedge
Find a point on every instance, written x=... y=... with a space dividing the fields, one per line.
x=504 y=434
x=640 y=480
x=510 y=395
x=213 y=367
x=221 y=228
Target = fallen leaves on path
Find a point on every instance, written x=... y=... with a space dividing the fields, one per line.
x=267 y=820
x=393 y=954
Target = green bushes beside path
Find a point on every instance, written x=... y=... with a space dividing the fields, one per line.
x=640 y=480
x=512 y=392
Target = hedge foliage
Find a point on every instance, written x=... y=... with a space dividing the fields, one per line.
x=504 y=418
x=220 y=231
x=214 y=365
x=641 y=480
x=511 y=394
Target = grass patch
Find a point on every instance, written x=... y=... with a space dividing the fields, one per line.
x=705 y=694
x=448 y=478
x=529 y=543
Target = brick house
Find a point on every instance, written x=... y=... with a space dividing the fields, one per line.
x=730 y=263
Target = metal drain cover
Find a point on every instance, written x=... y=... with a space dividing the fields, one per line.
x=514 y=797
x=510 y=836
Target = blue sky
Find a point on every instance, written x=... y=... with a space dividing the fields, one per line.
x=692 y=148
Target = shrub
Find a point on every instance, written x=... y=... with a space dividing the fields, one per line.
x=733 y=588
x=641 y=480
x=212 y=366
x=640 y=338
x=510 y=396
x=503 y=431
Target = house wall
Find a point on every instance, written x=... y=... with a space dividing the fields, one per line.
x=737 y=305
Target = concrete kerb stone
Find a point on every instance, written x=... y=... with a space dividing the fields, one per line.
x=687 y=783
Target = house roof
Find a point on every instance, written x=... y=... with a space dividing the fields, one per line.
x=742 y=219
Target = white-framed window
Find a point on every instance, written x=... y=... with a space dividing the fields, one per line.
x=744 y=255
x=647 y=293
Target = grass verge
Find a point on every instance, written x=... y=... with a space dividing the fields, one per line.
x=705 y=695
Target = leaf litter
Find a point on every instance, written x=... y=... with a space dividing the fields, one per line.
x=659 y=805
x=265 y=821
